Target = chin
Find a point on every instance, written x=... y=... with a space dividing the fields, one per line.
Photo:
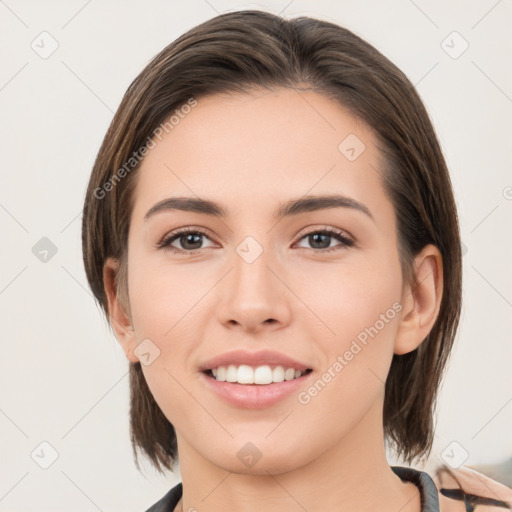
x=258 y=457
x=274 y=465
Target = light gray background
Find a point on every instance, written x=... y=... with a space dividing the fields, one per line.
x=64 y=377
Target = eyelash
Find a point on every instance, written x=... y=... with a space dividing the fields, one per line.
x=166 y=242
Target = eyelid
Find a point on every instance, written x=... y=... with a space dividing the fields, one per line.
x=342 y=236
x=167 y=239
x=325 y=228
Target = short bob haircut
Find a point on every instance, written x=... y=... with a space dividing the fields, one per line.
x=243 y=50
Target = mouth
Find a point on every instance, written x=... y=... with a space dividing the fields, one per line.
x=260 y=387
x=255 y=375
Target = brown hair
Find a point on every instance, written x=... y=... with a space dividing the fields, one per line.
x=244 y=49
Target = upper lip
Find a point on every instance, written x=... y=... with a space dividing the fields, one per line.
x=260 y=358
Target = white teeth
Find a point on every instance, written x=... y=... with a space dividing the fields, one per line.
x=245 y=374
x=289 y=374
x=263 y=375
x=231 y=373
x=278 y=374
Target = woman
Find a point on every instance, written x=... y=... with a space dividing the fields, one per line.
x=271 y=231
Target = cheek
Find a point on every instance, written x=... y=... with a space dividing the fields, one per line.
x=361 y=310
x=160 y=296
x=165 y=307
x=352 y=298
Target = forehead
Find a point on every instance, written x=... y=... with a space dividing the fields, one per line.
x=261 y=145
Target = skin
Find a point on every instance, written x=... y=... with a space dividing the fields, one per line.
x=250 y=152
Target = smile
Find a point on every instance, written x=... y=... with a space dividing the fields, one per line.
x=260 y=375
x=254 y=395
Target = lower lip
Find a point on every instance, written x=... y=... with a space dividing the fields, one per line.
x=254 y=396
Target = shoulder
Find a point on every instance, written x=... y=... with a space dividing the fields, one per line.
x=467 y=490
x=169 y=501
x=459 y=490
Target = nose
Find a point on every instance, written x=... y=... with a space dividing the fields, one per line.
x=252 y=296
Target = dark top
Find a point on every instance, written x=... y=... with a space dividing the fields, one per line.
x=427 y=488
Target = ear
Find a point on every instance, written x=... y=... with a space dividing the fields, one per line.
x=421 y=303
x=119 y=319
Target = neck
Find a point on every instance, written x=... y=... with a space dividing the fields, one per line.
x=353 y=475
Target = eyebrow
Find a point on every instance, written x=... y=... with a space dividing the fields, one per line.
x=289 y=208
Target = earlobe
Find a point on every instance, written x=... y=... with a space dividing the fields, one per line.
x=119 y=318
x=422 y=302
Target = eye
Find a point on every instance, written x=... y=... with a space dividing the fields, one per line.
x=189 y=239
x=321 y=240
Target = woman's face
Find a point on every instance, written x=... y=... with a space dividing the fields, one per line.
x=274 y=288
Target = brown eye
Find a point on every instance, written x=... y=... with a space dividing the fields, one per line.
x=189 y=239
x=321 y=240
